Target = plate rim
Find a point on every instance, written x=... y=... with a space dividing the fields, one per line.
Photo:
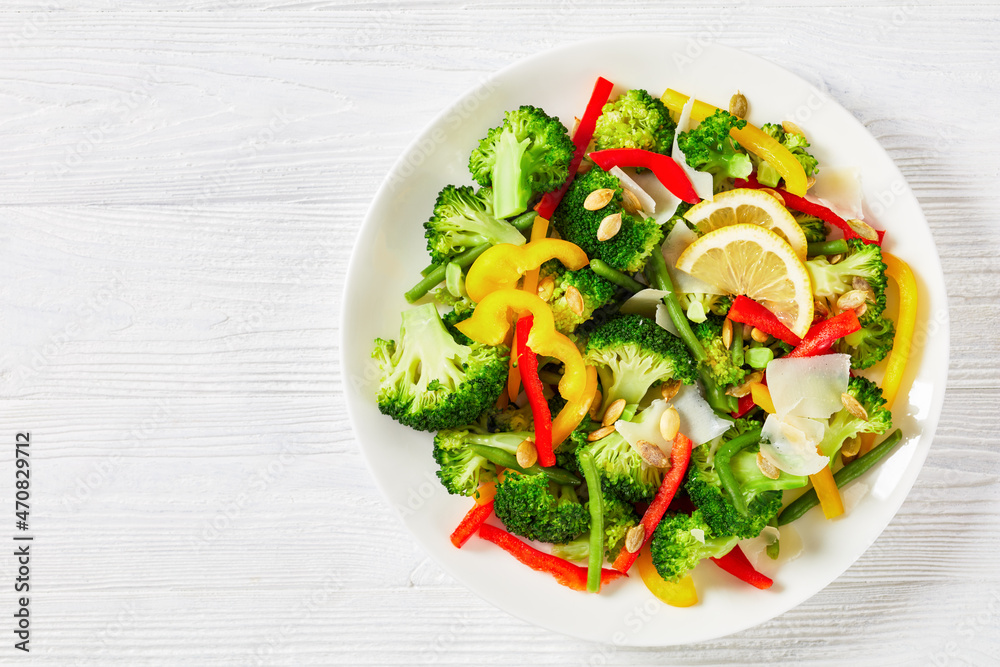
x=915 y=464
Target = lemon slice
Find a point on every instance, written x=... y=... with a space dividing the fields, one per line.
x=749 y=259
x=744 y=205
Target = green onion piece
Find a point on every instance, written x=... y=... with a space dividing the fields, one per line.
x=759 y=357
x=453 y=280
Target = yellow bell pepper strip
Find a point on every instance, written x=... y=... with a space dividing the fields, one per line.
x=762 y=397
x=502 y=266
x=827 y=492
x=681 y=593
x=751 y=138
x=574 y=411
x=491 y=321
x=906 y=321
x=538 y=232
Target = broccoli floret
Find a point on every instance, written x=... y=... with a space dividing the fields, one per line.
x=619 y=517
x=635 y=120
x=719 y=362
x=623 y=472
x=815 y=229
x=595 y=290
x=460 y=469
x=463 y=219
x=632 y=354
x=709 y=147
x=676 y=550
x=869 y=345
x=844 y=425
x=527 y=155
x=698 y=306
x=431 y=382
x=762 y=494
x=511 y=418
x=862 y=267
x=796 y=145
x=627 y=250
x=462 y=310
x=678 y=216
x=534 y=507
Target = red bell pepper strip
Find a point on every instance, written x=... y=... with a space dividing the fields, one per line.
x=735 y=563
x=567 y=574
x=665 y=167
x=748 y=311
x=743 y=406
x=527 y=364
x=581 y=139
x=823 y=335
x=476 y=517
x=680 y=455
x=803 y=205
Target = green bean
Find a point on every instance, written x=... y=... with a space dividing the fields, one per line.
x=434 y=278
x=659 y=277
x=725 y=471
x=596 y=504
x=617 y=277
x=837 y=247
x=502 y=457
x=848 y=473
x=737 y=344
x=525 y=220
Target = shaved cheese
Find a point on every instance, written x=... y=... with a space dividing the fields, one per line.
x=853 y=494
x=666 y=201
x=789 y=444
x=754 y=548
x=808 y=386
x=647 y=203
x=646 y=427
x=839 y=189
x=703 y=182
x=698 y=420
x=663 y=319
x=643 y=303
x=677 y=241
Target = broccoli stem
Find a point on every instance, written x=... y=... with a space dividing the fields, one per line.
x=848 y=473
x=727 y=480
x=596 y=504
x=838 y=247
x=437 y=275
x=617 y=277
x=504 y=458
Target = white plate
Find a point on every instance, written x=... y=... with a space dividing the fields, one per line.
x=390 y=253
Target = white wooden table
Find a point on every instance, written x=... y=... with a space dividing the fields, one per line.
x=181 y=187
